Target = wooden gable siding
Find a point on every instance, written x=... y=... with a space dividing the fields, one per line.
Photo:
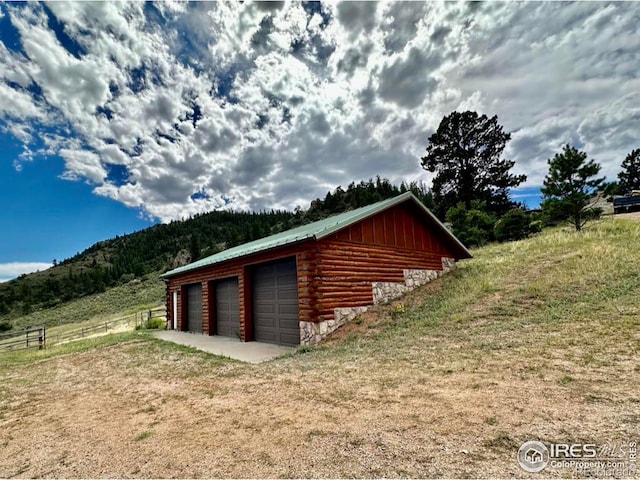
x=401 y=226
x=345 y=272
x=376 y=249
x=241 y=268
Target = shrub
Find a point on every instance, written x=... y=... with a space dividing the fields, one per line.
x=473 y=227
x=126 y=278
x=304 y=349
x=153 y=324
x=4 y=326
x=514 y=225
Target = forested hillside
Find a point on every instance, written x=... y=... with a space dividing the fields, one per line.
x=122 y=259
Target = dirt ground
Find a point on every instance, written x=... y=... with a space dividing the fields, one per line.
x=629 y=216
x=113 y=413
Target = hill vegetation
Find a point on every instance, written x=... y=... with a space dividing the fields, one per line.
x=126 y=260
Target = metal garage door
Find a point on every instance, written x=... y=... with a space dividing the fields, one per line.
x=194 y=308
x=227 y=307
x=275 y=303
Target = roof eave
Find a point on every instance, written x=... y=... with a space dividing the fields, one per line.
x=465 y=253
x=173 y=273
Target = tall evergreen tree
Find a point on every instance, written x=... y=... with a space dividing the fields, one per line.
x=569 y=186
x=629 y=177
x=464 y=153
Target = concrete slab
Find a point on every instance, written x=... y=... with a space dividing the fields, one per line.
x=251 y=352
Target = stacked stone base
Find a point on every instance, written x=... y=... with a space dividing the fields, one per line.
x=312 y=333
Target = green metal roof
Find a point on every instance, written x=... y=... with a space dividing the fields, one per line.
x=315 y=230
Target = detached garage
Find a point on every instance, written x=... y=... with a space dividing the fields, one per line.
x=297 y=286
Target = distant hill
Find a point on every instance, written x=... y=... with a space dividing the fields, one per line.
x=118 y=261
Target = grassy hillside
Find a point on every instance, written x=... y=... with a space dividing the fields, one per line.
x=536 y=339
x=136 y=295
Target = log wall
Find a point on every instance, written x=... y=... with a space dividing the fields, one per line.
x=345 y=272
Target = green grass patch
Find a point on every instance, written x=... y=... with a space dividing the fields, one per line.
x=31 y=356
x=143 y=435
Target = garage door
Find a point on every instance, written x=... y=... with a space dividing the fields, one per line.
x=275 y=303
x=227 y=308
x=194 y=308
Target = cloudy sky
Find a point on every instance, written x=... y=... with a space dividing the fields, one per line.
x=115 y=115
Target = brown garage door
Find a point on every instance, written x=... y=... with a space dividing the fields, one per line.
x=227 y=308
x=194 y=308
x=275 y=303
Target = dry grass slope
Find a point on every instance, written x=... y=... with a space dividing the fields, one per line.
x=118 y=301
x=530 y=340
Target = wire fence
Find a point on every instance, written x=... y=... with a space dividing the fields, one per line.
x=36 y=337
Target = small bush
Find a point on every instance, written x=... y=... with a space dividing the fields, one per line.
x=514 y=225
x=473 y=227
x=126 y=278
x=143 y=436
x=153 y=324
x=4 y=326
x=566 y=380
x=305 y=349
x=398 y=310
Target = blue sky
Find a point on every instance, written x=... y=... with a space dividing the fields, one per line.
x=114 y=116
x=49 y=218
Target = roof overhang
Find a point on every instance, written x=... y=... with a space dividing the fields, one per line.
x=319 y=230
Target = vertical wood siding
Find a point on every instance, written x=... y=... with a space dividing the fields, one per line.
x=397 y=227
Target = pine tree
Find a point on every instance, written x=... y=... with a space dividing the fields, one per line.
x=464 y=153
x=629 y=177
x=569 y=186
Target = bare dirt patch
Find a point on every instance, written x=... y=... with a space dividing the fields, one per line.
x=145 y=410
x=629 y=216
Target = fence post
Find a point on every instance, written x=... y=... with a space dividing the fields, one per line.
x=106 y=328
x=40 y=338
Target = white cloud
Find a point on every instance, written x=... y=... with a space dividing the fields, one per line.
x=272 y=105
x=9 y=271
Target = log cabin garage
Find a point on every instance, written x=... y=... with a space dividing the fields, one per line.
x=298 y=286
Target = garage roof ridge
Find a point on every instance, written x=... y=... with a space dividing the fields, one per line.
x=316 y=230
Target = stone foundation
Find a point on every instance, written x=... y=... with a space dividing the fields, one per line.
x=448 y=264
x=312 y=333
x=384 y=292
